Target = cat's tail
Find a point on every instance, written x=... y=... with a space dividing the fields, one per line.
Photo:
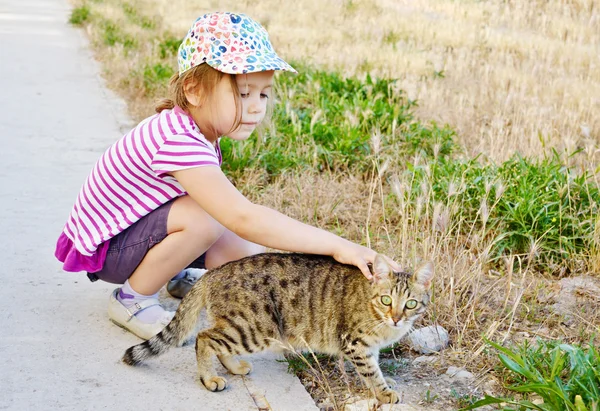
x=175 y=333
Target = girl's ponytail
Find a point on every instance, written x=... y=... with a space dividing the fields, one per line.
x=169 y=103
x=164 y=104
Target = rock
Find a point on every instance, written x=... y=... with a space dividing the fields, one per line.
x=430 y=339
x=576 y=292
x=425 y=359
x=326 y=406
x=459 y=373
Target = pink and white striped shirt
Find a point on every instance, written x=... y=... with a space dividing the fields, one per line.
x=129 y=181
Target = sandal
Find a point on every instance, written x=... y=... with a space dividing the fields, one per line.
x=125 y=317
x=180 y=287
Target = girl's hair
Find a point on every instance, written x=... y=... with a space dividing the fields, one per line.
x=204 y=78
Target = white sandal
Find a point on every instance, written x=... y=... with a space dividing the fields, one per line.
x=125 y=317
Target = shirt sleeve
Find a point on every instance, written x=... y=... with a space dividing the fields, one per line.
x=183 y=151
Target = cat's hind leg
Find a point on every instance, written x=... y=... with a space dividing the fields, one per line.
x=207 y=345
x=225 y=340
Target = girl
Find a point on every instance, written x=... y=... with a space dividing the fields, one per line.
x=157 y=199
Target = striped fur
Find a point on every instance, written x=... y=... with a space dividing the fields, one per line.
x=275 y=300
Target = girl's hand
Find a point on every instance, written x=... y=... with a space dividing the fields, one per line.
x=354 y=254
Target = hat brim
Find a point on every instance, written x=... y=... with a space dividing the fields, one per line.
x=269 y=62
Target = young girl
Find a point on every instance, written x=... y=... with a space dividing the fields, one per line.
x=157 y=199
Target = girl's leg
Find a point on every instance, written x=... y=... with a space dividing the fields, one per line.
x=230 y=247
x=190 y=232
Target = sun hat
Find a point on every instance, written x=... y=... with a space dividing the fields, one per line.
x=231 y=43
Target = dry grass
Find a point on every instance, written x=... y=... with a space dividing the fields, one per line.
x=504 y=73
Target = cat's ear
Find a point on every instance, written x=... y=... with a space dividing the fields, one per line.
x=424 y=275
x=381 y=269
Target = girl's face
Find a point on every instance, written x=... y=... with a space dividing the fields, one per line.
x=217 y=116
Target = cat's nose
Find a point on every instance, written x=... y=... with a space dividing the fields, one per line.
x=396 y=320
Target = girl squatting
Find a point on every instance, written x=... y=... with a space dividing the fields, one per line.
x=157 y=200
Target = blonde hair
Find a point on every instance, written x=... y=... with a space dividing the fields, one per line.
x=204 y=78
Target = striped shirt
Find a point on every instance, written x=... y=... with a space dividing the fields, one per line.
x=129 y=181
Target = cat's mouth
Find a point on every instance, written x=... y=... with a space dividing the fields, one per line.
x=396 y=324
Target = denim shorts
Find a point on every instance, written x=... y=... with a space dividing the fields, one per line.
x=127 y=249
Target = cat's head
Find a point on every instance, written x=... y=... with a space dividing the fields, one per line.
x=400 y=298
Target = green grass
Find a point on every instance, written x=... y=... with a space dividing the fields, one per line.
x=79 y=15
x=326 y=122
x=136 y=18
x=565 y=377
x=113 y=34
x=168 y=47
x=301 y=362
x=540 y=210
x=155 y=76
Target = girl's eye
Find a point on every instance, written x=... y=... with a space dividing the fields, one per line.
x=386 y=300
x=244 y=95
x=410 y=304
x=264 y=95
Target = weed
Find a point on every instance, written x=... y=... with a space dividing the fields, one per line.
x=565 y=377
x=79 y=15
x=168 y=47
x=430 y=397
x=326 y=122
x=302 y=362
x=156 y=76
x=539 y=210
x=463 y=400
x=391 y=37
x=133 y=16
x=113 y=35
x=392 y=366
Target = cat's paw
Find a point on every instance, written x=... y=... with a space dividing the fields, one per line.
x=391 y=382
x=215 y=383
x=235 y=366
x=243 y=368
x=388 y=397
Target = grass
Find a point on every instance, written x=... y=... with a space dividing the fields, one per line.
x=326 y=122
x=540 y=210
x=561 y=377
x=79 y=15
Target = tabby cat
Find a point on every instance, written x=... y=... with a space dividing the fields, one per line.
x=307 y=301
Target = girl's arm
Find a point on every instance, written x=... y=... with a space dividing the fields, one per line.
x=211 y=189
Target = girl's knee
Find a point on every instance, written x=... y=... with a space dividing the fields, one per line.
x=188 y=217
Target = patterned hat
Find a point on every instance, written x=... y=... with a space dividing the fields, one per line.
x=231 y=43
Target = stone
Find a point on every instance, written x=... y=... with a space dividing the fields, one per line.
x=428 y=340
x=425 y=359
x=459 y=373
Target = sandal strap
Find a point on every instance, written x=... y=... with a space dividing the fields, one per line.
x=137 y=307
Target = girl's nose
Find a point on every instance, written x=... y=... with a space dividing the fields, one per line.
x=255 y=107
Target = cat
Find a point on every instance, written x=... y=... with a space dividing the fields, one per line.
x=271 y=300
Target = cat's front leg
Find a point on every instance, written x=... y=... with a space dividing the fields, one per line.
x=367 y=365
x=235 y=366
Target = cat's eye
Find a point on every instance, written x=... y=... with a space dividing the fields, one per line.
x=386 y=300
x=410 y=304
